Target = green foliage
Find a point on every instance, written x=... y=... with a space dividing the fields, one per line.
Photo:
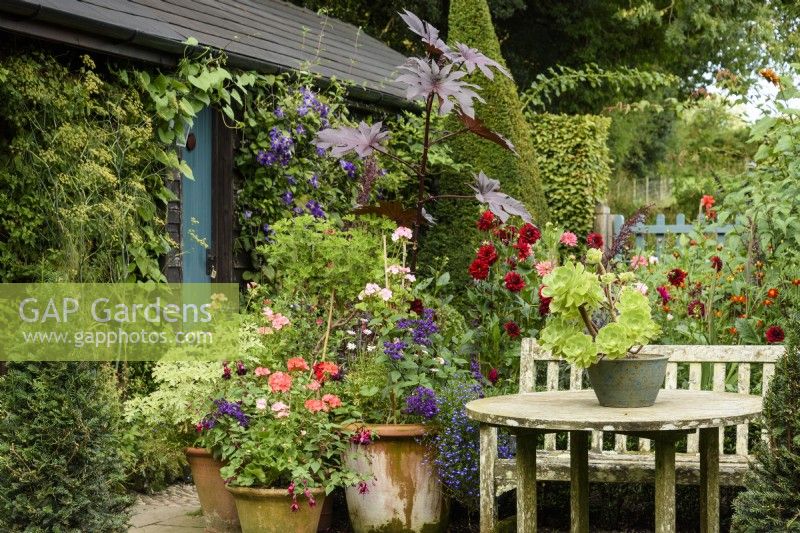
x=772 y=499
x=153 y=456
x=60 y=449
x=82 y=193
x=575 y=165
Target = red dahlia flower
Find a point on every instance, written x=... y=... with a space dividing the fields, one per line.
x=544 y=303
x=774 y=334
x=493 y=376
x=514 y=282
x=486 y=221
x=416 y=306
x=479 y=269
x=487 y=253
x=523 y=249
x=594 y=240
x=676 y=277
x=505 y=234
x=529 y=233
x=716 y=263
x=512 y=328
x=696 y=309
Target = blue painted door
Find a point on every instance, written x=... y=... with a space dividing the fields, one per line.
x=196 y=203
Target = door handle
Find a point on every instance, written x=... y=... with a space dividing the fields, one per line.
x=211 y=264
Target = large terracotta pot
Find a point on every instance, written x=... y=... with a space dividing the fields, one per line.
x=405 y=495
x=219 y=507
x=270 y=511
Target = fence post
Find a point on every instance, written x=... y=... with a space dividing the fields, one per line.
x=603 y=223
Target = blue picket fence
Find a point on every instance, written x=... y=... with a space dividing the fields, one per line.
x=644 y=233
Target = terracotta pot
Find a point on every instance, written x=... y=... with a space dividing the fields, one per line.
x=219 y=507
x=270 y=510
x=627 y=382
x=405 y=495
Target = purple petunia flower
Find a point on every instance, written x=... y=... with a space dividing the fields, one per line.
x=290 y=180
x=287 y=197
x=422 y=402
x=314 y=181
x=315 y=209
x=300 y=129
x=279 y=112
x=297 y=211
x=349 y=168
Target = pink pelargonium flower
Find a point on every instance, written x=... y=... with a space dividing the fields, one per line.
x=280 y=409
x=280 y=382
x=426 y=78
x=297 y=363
x=641 y=287
x=471 y=58
x=569 y=239
x=638 y=261
x=543 y=268
x=316 y=406
x=402 y=232
x=397 y=269
x=363 y=140
x=332 y=400
x=262 y=371
x=314 y=385
x=278 y=321
x=385 y=294
x=261 y=404
x=369 y=290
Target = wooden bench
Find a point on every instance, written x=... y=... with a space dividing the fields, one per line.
x=620 y=459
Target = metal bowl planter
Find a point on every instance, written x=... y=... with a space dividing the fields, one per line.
x=405 y=495
x=628 y=382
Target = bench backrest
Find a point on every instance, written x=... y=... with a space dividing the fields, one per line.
x=734 y=366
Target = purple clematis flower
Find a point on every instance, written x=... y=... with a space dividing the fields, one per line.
x=314 y=181
x=287 y=197
x=362 y=140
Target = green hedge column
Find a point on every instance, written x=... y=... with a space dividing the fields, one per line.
x=575 y=165
x=455 y=236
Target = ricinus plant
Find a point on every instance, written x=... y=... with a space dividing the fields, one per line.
x=436 y=78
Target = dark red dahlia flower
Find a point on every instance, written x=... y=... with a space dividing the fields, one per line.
x=523 y=249
x=416 y=306
x=544 y=303
x=505 y=234
x=493 y=376
x=487 y=253
x=696 y=309
x=512 y=328
x=479 y=269
x=529 y=233
x=716 y=263
x=594 y=240
x=676 y=277
x=486 y=221
x=774 y=334
x=514 y=282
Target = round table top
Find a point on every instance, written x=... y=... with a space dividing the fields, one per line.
x=674 y=410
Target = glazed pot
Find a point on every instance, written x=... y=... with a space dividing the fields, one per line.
x=270 y=510
x=405 y=495
x=628 y=382
x=219 y=508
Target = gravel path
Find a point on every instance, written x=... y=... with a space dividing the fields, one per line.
x=175 y=510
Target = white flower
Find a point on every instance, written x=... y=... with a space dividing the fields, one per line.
x=669 y=316
x=386 y=294
x=411 y=277
x=351 y=346
x=371 y=348
x=261 y=404
x=351 y=332
x=440 y=360
x=367 y=332
x=653 y=260
x=432 y=369
x=641 y=287
x=402 y=232
x=397 y=269
x=369 y=290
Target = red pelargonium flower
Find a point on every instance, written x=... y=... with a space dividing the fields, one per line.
x=512 y=329
x=486 y=221
x=315 y=406
x=514 y=282
x=716 y=263
x=676 y=277
x=323 y=369
x=774 y=334
x=523 y=249
x=594 y=240
x=707 y=201
x=280 y=382
x=493 y=376
x=529 y=233
x=479 y=269
x=487 y=253
x=296 y=363
x=332 y=400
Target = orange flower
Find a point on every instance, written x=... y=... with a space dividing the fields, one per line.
x=743 y=315
x=733 y=331
x=759 y=323
x=718 y=314
x=296 y=363
x=315 y=406
x=665 y=308
x=772 y=293
x=771 y=76
x=767 y=302
x=796 y=282
x=707 y=201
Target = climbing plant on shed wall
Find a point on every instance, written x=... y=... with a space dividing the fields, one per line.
x=575 y=165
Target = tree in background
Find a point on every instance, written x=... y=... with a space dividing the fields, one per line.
x=454 y=235
x=772 y=499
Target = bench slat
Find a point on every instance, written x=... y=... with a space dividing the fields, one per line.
x=719 y=386
x=695 y=377
x=767 y=373
x=671 y=381
x=691 y=353
x=575 y=378
x=552 y=384
x=743 y=429
x=527 y=365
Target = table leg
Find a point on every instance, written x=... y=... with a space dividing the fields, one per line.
x=488 y=437
x=579 y=481
x=709 y=480
x=665 y=485
x=526 y=482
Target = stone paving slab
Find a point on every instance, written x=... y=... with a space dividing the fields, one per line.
x=175 y=510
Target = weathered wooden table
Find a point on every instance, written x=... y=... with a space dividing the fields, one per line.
x=676 y=413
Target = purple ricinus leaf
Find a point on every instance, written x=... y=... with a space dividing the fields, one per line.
x=471 y=58
x=426 y=77
x=487 y=191
x=362 y=140
x=429 y=34
x=476 y=126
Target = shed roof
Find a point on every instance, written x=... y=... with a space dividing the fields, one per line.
x=259 y=34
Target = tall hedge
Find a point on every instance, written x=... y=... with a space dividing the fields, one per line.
x=455 y=236
x=575 y=165
x=60 y=449
x=772 y=499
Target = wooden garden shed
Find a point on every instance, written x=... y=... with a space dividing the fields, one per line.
x=262 y=35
